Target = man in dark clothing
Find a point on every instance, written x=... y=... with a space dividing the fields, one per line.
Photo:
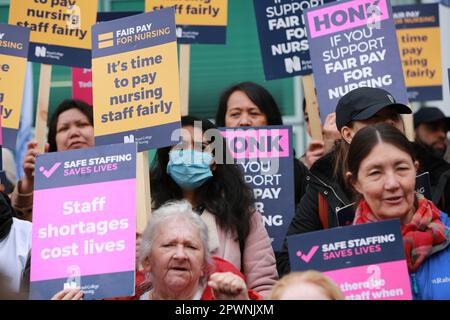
x=327 y=190
x=431 y=127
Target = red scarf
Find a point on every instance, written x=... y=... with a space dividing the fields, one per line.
x=419 y=236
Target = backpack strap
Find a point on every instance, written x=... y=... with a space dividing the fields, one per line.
x=323 y=210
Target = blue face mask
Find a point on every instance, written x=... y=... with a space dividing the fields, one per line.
x=189 y=168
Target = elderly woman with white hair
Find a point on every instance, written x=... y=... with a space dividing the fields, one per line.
x=177 y=263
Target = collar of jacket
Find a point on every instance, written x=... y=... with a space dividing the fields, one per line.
x=322 y=174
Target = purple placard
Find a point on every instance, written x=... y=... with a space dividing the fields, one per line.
x=353 y=44
x=84 y=224
x=265 y=157
x=282 y=36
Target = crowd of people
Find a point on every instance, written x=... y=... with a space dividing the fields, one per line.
x=206 y=239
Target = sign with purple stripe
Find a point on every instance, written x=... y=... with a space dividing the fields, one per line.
x=353 y=44
x=282 y=36
x=419 y=39
x=14 y=42
x=135 y=80
x=84 y=223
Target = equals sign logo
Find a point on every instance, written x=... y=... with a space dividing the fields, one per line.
x=105 y=40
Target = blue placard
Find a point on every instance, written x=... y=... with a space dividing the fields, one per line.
x=282 y=37
x=14 y=40
x=352 y=46
x=353 y=246
x=162 y=23
x=265 y=156
x=92 y=165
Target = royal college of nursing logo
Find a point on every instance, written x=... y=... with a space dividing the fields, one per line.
x=40 y=52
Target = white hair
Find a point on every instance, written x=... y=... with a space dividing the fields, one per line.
x=168 y=212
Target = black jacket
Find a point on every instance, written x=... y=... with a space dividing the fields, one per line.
x=439 y=170
x=306 y=219
x=300 y=175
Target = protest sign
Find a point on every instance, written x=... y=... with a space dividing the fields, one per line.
x=84 y=216
x=13 y=65
x=135 y=77
x=265 y=156
x=282 y=36
x=423 y=185
x=353 y=44
x=419 y=40
x=366 y=261
x=82 y=84
x=201 y=22
x=82 y=77
x=60 y=29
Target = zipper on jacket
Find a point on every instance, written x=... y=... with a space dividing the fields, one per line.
x=330 y=187
x=414 y=284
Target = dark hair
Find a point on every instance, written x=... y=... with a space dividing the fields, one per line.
x=62 y=107
x=367 y=138
x=225 y=195
x=258 y=95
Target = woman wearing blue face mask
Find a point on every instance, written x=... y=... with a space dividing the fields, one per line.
x=220 y=195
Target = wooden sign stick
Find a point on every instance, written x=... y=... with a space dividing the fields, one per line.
x=45 y=79
x=143 y=201
x=312 y=108
x=409 y=125
x=185 y=62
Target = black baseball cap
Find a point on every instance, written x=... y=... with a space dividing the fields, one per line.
x=430 y=114
x=363 y=103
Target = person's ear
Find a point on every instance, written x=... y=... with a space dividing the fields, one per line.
x=352 y=181
x=416 y=165
x=347 y=134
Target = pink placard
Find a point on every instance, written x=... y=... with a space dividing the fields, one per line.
x=381 y=281
x=346 y=15
x=82 y=84
x=86 y=226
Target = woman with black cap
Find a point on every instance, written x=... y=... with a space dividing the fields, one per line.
x=327 y=190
